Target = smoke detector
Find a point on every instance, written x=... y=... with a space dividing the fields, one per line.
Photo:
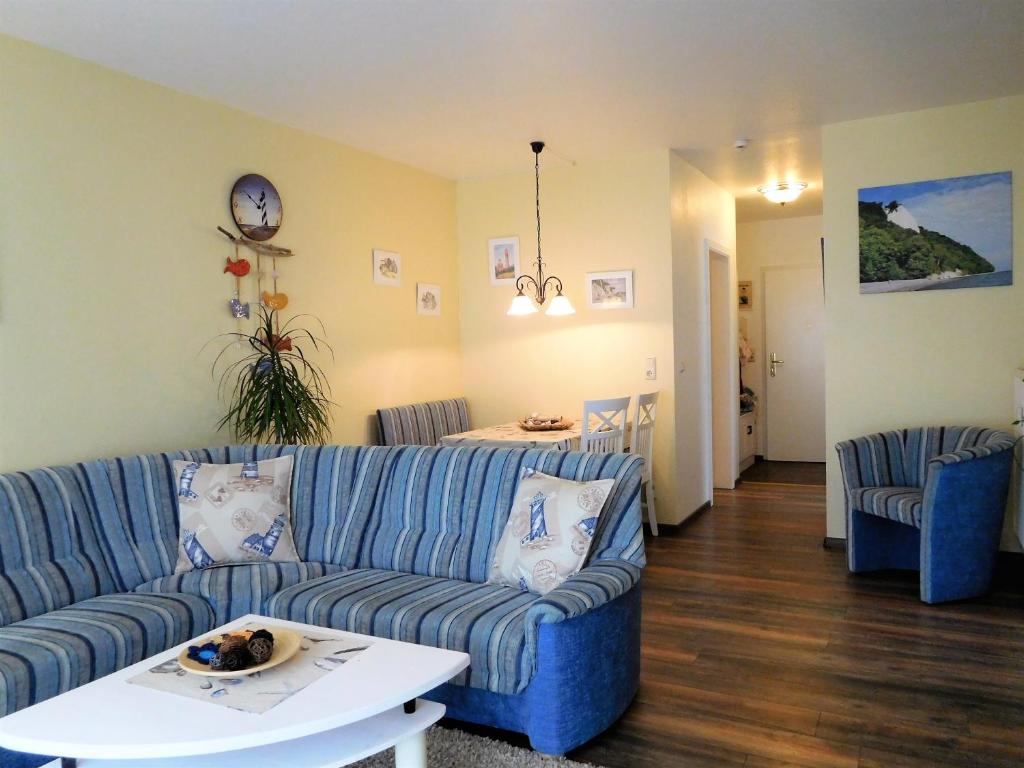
x=741 y=144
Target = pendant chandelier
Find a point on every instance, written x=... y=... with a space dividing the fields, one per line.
x=527 y=304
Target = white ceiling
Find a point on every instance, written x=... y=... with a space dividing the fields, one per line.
x=459 y=88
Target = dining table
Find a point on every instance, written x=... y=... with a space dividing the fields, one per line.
x=511 y=435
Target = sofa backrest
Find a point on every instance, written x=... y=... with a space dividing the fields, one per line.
x=329 y=485
x=50 y=556
x=418 y=509
x=922 y=444
x=441 y=511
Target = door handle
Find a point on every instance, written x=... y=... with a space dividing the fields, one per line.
x=774 y=362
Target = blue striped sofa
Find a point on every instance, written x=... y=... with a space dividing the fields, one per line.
x=930 y=499
x=394 y=542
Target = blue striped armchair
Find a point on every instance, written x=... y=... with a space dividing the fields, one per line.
x=930 y=499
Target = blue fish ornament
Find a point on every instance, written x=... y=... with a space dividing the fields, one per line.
x=238 y=309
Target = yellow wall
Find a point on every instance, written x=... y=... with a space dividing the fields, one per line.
x=110 y=266
x=915 y=359
x=701 y=213
x=596 y=217
x=770 y=243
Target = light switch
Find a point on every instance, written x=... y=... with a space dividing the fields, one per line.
x=651 y=368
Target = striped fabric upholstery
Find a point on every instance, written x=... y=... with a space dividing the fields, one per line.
x=426 y=545
x=930 y=443
x=597 y=584
x=235 y=590
x=885 y=473
x=483 y=620
x=441 y=511
x=900 y=503
x=331 y=487
x=423 y=423
x=431 y=511
x=873 y=460
x=901 y=457
x=49 y=553
x=57 y=651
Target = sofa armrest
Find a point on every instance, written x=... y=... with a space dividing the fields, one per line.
x=600 y=582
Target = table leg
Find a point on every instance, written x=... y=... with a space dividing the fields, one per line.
x=412 y=752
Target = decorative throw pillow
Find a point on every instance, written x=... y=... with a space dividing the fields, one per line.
x=234 y=513
x=548 y=535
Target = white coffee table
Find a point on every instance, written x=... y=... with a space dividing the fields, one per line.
x=357 y=710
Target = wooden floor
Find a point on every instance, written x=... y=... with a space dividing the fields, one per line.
x=760 y=650
x=799 y=472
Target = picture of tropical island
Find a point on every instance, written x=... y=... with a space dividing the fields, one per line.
x=928 y=235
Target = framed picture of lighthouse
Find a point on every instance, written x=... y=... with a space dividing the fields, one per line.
x=503 y=258
x=937 y=235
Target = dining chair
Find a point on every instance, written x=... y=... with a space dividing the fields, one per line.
x=607 y=433
x=641 y=443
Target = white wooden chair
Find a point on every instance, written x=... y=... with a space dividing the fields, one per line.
x=641 y=443
x=604 y=425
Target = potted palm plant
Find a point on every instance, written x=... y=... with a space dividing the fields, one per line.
x=276 y=393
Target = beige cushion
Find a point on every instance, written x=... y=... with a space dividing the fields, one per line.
x=234 y=513
x=549 y=532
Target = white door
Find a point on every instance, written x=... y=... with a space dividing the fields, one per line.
x=794 y=355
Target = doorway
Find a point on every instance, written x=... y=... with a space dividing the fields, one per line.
x=794 y=364
x=721 y=421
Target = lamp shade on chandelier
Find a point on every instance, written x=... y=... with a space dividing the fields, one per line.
x=532 y=290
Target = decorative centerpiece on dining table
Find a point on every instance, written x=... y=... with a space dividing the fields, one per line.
x=536 y=422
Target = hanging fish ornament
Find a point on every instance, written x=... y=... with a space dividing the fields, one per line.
x=280 y=343
x=239 y=268
x=239 y=310
x=275 y=300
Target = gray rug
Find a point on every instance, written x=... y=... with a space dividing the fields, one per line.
x=449 y=748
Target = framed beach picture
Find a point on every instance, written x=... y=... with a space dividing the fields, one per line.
x=934 y=235
x=745 y=294
x=610 y=290
x=428 y=299
x=387 y=268
x=503 y=260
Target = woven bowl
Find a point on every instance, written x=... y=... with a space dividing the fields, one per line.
x=555 y=427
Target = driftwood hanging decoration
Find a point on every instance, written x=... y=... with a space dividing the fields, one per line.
x=264 y=248
x=239 y=267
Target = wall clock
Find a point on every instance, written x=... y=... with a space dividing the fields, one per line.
x=256 y=207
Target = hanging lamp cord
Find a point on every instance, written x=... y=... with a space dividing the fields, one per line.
x=536 y=178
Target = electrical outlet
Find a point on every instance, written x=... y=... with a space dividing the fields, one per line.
x=651 y=368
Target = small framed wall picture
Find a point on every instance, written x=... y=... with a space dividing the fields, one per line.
x=503 y=260
x=610 y=290
x=428 y=299
x=745 y=294
x=387 y=268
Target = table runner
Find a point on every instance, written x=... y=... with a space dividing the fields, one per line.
x=318 y=655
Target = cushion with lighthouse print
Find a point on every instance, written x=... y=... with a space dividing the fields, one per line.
x=233 y=513
x=548 y=534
